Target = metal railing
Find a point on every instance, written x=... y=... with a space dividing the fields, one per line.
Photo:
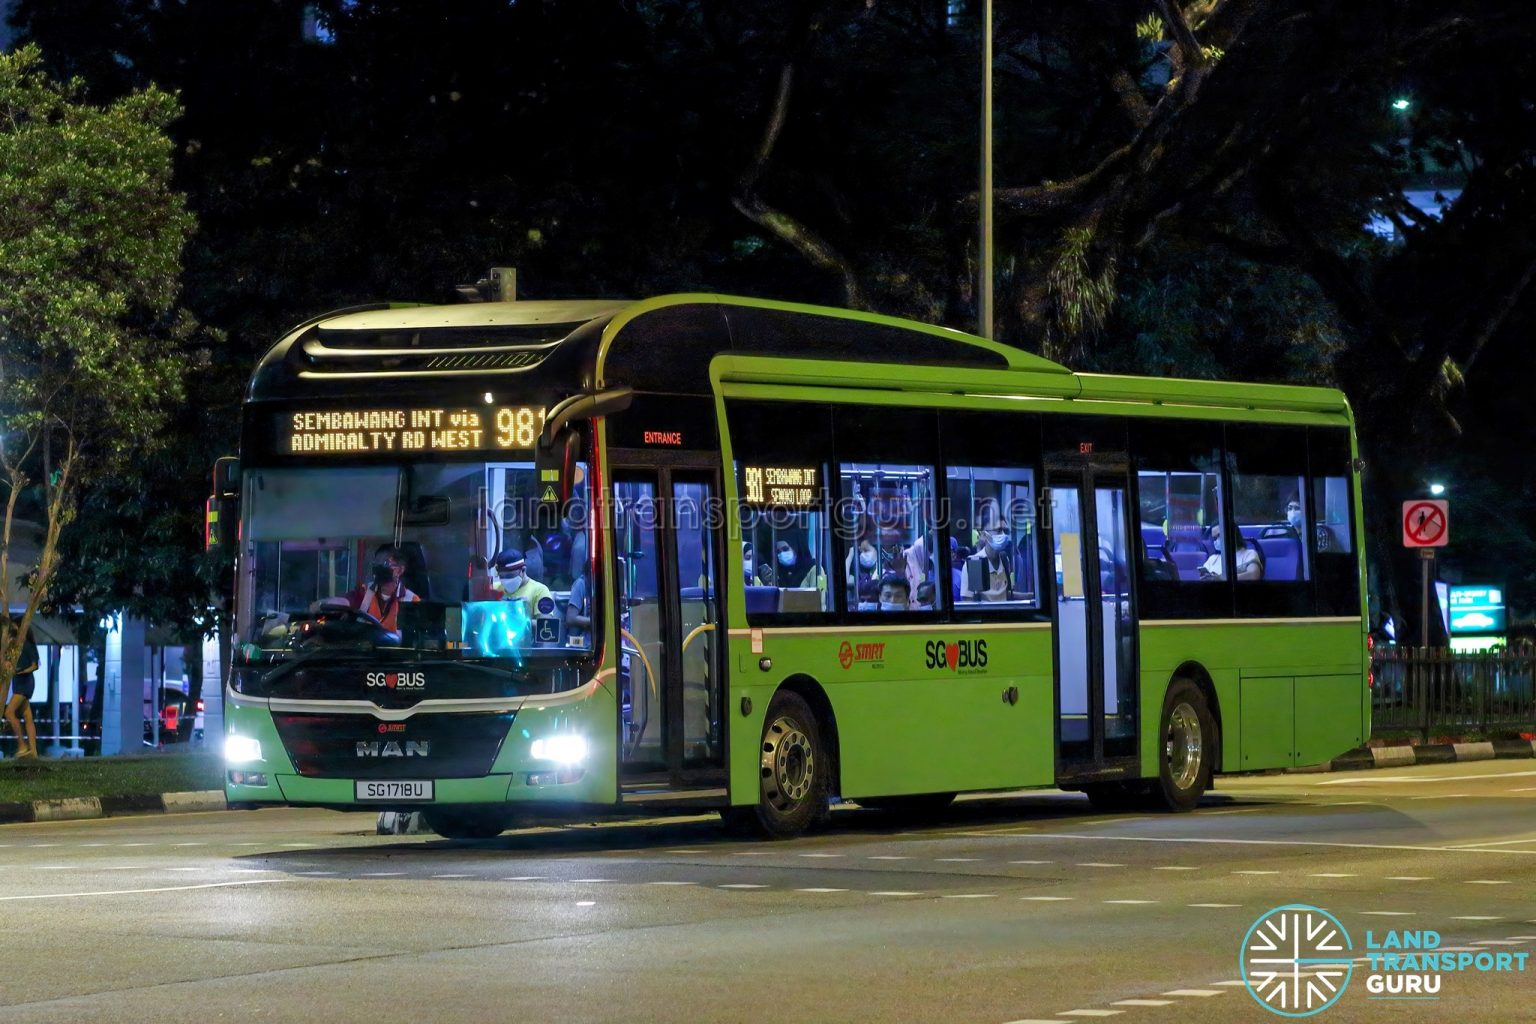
x=1434 y=690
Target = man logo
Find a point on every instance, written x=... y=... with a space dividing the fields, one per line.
x=394 y=748
x=1296 y=960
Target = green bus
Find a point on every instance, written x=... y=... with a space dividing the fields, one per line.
x=701 y=551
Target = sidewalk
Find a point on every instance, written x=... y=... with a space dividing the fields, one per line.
x=1445 y=750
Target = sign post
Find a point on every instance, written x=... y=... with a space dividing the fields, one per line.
x=1426 y=526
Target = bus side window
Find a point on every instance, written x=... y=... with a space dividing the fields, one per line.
x=1336 y=588
x=991 y=515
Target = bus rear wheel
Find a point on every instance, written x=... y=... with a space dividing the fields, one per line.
x=466 y=824
x=1185 y=758
x=793 y=769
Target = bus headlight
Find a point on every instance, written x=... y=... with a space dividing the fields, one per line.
x=561 y=749
x=239 y=749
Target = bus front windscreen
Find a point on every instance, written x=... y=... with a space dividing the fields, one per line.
x=450 y=561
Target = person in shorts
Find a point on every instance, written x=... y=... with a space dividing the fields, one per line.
x=20 y=700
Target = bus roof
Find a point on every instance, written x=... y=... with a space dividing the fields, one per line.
x=668 y=343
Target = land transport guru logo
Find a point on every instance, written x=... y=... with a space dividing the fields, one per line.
x=1297 y=961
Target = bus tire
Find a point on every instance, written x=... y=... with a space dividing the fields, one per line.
x=793 y=768
x=1187 y=750
x=466 y=824
x=917 y=807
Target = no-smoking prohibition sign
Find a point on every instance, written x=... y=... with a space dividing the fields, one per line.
x=1426 y=524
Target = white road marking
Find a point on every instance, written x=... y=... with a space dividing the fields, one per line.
x=1387 y=913
x=1031 y=862
x=1486 y=881
x=1255 y=872
x=1142 y=1002
x=1035 y=1020
x=821 y=890
x=92 y=844
x=969 y=895
x=1201 y=993
x=382 y=874
x=1216 y=906
x=44 y=846
x=1524 y=938
x=50 y=867
x=189 y=844
x=1048 y=899
x=298 y=846
x=1333 y=874
x=586 y=903
x=889 y=857
x=1441 y=796
x=1476 y=917
x=895 y=892
x=685 y=851
x=132 y=892
x=135 y=844
x=1174 y=867
x=1131 y=902
x=1239 y=983
x=750 y=853
x=186 y=869
x=587 y=881
x=671 y=883
x=316 y=873
x=1089 y=1013
x=1409 y=878
x=743 y=885
x=523 y=878
x=1501 y=842
x=1101 y=838
x=821 y=855
x=452 y=876
x=1426 y=778
x=1524 y=789
x=1498 y=942
x=252 y=871
x=1099 y=864
x=955 y=860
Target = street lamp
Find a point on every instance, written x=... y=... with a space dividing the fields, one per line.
x=1437 y=489
x=1401 y=103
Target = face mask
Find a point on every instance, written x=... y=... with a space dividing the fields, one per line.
x=920 y=607
x=1293 y=516
x=511 y=583
x=746 y=564
x=868 y=606
x=786 y=558
x=867 y=559
x=999 y=541
x=1216 y=543
x=892 y=606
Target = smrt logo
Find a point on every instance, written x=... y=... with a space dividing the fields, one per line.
x=397 y=680
x=850 y=654
x=957 y=655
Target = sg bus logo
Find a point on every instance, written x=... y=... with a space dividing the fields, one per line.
x=957 y=655
x=397 y=680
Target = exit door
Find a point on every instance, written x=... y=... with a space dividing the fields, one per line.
x=1096 y=676
x=671 y=664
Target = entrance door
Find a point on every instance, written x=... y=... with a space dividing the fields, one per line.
x=1096 y=674
x=671 y=678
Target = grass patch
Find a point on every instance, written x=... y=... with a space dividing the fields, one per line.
x=46 y=779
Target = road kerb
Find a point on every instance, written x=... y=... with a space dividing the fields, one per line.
x=198 y=800
x=69 y=809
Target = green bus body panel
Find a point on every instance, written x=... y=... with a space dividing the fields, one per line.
x=904 y=727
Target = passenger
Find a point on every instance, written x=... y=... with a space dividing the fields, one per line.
x=19 y=701
x=895 y=593
x=993 y=543
x=868 y=596
x=1293 y=514
x=863 y=563
x=922 y=601
x=793 y=571
x=1214 y=567
x=382 y=596
x=514 y=583
x=748 y=569
x=578 y=610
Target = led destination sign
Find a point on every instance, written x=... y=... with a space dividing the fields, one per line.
x=413 y=429
x=782 y=486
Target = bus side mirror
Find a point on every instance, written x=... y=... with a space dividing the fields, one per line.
x=558 y=448
x=221 y=513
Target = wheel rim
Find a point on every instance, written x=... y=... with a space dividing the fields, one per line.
x=1185 y=746
x=788 y=765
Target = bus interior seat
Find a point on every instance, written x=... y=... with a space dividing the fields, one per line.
x=800 y=599
x=762 y=600
x=1281 y=549
x=1188 y=556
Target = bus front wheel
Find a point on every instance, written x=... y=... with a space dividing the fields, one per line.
x=1185 y=757
x=792 y=769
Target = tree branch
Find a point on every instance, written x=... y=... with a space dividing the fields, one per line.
x=1498 y=314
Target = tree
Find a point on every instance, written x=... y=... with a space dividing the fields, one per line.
x=91 y=236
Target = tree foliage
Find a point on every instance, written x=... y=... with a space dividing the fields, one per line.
x=91 y=234
x=1183 y=185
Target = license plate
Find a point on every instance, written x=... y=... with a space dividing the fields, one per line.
x=395 y=789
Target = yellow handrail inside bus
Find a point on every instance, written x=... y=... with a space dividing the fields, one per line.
x=708 y=627
x=650 y=673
